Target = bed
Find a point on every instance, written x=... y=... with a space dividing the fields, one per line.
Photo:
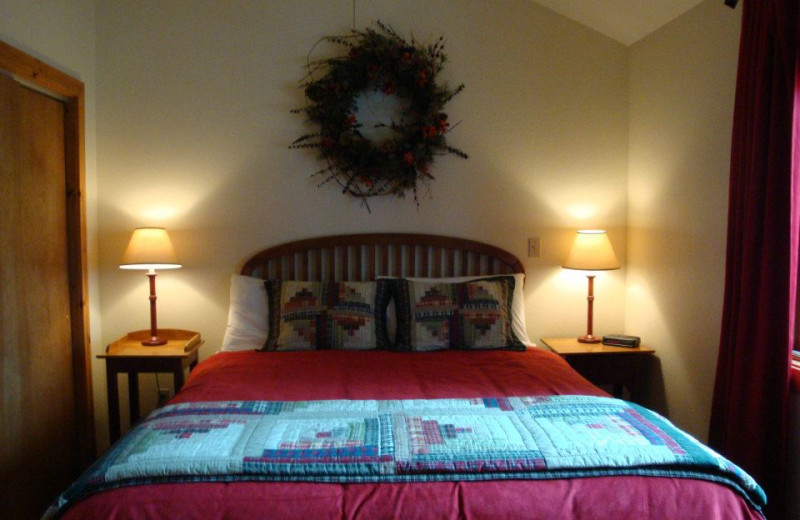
x=426 y=371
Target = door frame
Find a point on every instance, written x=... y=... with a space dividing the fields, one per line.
x=71 y=90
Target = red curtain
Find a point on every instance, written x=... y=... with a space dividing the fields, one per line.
x=751 y=393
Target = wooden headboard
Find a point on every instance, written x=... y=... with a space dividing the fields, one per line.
x=364 y=257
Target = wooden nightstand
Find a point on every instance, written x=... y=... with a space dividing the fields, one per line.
x=128 y=355
x=618 y=367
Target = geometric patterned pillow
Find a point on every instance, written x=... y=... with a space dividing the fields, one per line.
x=326 y=315
x=434 y=315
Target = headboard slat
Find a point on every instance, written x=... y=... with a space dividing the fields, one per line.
x=423 y=262
x=384 y=249
x=359 y=257
x=451 y=263
x=356 y=264
x=372 y=254
x=343 y=258
x=409 y=263
x=302 y=266
x=397 y=266
x=313 y=264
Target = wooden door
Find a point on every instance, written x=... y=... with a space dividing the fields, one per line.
x=43 y=423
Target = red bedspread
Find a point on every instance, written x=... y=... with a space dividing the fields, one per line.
x=387 y=375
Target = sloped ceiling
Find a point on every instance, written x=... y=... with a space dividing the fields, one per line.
x=626 y=21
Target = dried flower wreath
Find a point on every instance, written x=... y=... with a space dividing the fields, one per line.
x=379 y=61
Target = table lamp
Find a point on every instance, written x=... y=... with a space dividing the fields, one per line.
x=591 y=251
x=151 y=249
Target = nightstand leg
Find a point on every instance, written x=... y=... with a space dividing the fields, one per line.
x=133 y=396
x=636 y=389
x=114 y=429
x=638 y=379
x=178 y=375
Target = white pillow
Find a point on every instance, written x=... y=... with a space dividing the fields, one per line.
x=247 y=314
x=517 y=303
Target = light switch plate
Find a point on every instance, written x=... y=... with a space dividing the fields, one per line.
x=534 y=247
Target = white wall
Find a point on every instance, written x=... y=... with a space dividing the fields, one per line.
x=194 y=101
x=61 y=33
x=193 y=125
x=682 y=84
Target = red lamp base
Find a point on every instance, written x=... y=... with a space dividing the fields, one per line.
x=589 y=337
x=154 y=340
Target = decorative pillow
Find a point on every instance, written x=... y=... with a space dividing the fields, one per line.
x=436 y=315
x=517 y=304
x=327 y=315
x=247 y=314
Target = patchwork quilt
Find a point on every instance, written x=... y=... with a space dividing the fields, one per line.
x=409 y=440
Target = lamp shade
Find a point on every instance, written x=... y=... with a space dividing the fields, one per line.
x=591 y=251
x=149 y=248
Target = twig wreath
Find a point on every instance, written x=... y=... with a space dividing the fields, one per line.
x=379 y=61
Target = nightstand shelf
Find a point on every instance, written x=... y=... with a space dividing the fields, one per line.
x=128 y=355
x=618 y=367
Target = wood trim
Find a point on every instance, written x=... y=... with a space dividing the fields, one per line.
x=39 y=73
x=48 y=78
x=499 y=261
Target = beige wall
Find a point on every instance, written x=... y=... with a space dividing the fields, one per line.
x=195 y=101
x=193 y=125
x=682 y=82
x=61 y=33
